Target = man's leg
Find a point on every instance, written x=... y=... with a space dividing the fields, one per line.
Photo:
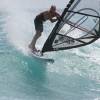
x=36 y=36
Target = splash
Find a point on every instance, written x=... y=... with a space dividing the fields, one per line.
x=19 y=23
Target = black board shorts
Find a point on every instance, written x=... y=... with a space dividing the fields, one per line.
x=38 y=25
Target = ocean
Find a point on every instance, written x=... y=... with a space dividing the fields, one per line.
x=75 y=74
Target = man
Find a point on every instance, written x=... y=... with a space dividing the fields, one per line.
x=42 y=17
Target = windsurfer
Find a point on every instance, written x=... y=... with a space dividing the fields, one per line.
x=42 y=17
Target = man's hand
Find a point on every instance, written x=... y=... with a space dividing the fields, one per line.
x=53 y=20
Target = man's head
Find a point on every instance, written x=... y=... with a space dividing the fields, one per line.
x=53 y=8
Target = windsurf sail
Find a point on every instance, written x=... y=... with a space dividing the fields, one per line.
x=79 y=26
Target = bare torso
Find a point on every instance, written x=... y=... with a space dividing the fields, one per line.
x=47 y=15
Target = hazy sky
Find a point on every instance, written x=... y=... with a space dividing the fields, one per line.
x=13 y=4
x=46 y=3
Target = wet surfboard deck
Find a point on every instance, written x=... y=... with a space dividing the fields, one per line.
x=39 y=56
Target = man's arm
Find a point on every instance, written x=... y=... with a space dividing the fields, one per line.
x=53 y=20
x=57 y=17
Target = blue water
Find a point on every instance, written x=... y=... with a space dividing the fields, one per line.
x=75 y=74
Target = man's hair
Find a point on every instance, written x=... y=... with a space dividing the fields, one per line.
x=53 y=7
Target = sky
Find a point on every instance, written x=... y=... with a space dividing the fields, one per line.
x=46 y=3
x=35 y=4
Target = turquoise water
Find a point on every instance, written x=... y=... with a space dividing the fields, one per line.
x=75 y=74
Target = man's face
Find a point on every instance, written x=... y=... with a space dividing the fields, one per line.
x=52 y=10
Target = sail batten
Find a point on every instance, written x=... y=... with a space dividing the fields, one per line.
x=79 y=26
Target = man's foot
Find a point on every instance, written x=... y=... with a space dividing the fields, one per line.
x=33 y=49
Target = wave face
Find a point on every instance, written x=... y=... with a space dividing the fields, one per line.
x=75 y=74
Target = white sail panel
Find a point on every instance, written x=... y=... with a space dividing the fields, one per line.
x=79 y=26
